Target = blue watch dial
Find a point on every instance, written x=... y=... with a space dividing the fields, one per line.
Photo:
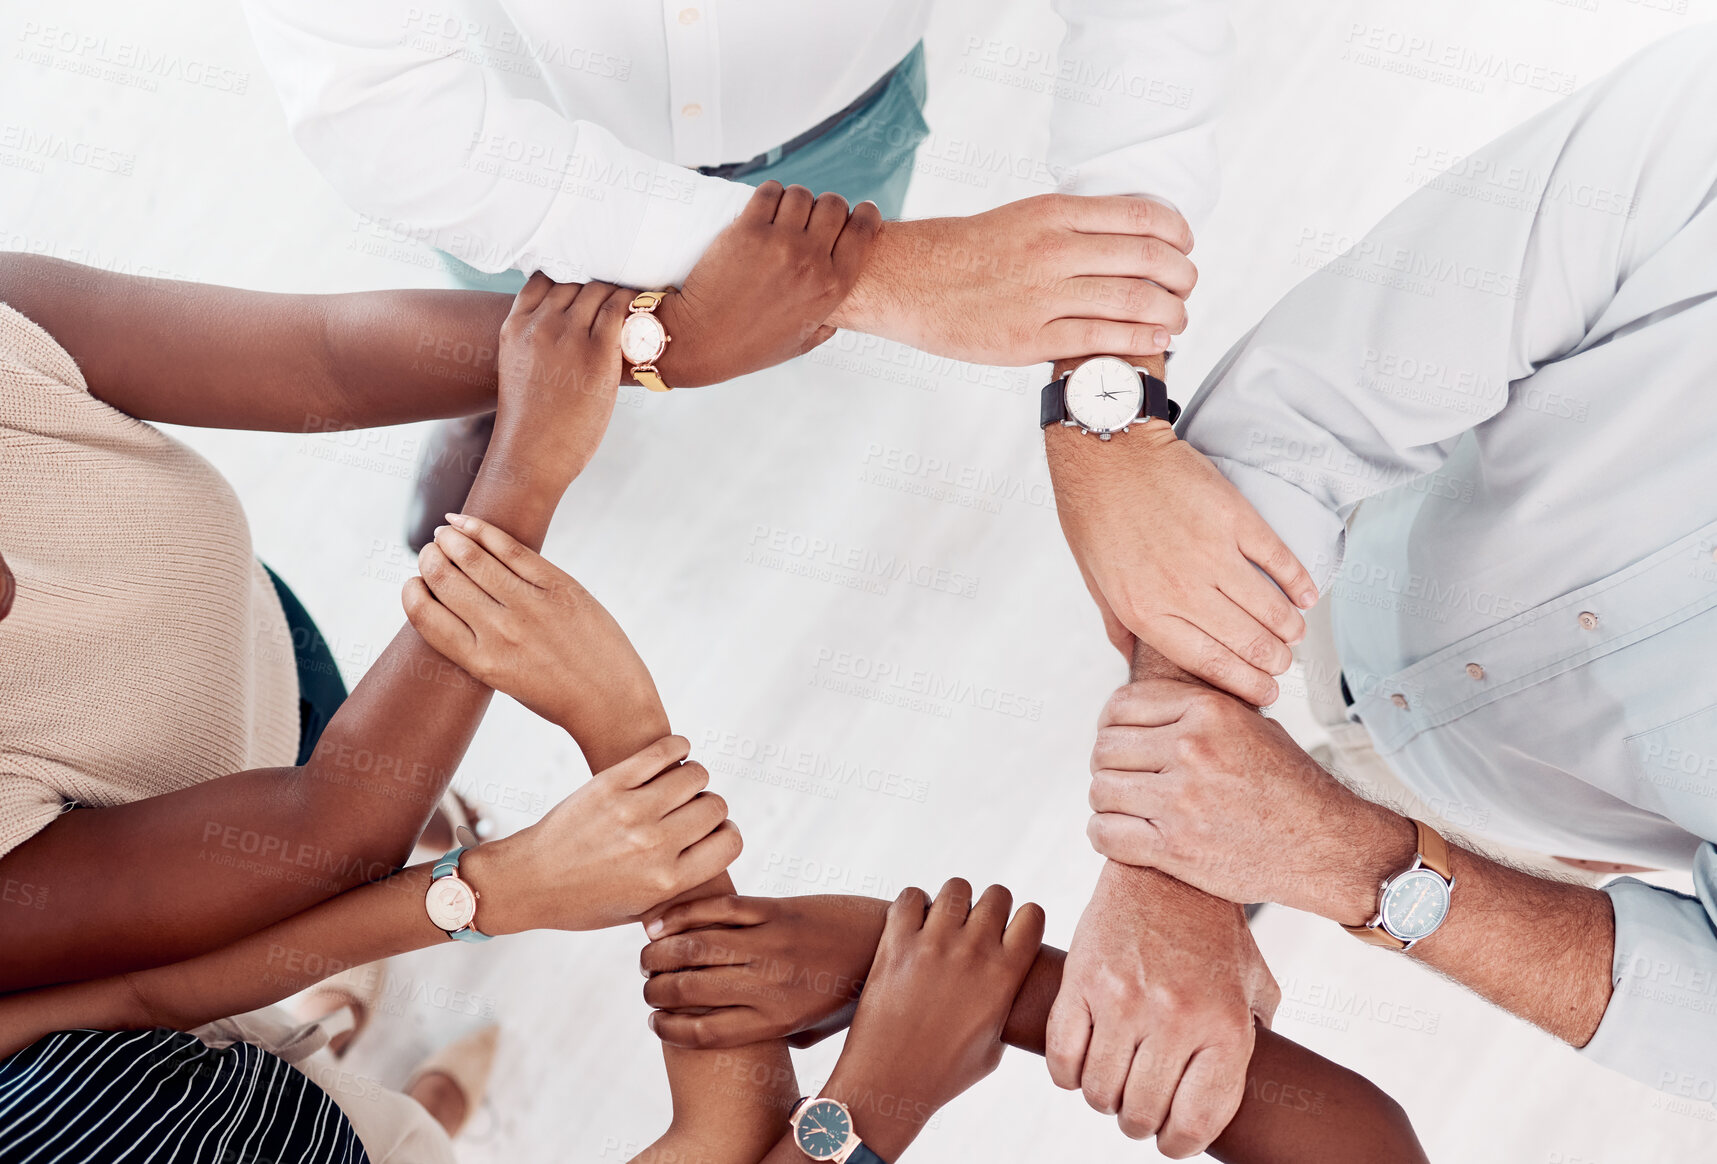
x=824 y=1129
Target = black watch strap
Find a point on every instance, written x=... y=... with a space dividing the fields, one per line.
x=863 y=1155
x=1052 y=406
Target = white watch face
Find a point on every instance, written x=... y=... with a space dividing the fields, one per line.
x=642 y=338
x=1104 y=394
x=450 y=903
x=1415 y=904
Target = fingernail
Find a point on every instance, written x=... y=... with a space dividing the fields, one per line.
x=654 y=929
x=438 y=530
x=1275 y=693
x=644 y=972
x=1308 y=599
x=456 y=519
x=1161 y=338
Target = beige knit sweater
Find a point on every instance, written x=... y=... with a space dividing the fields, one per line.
x=146 y=650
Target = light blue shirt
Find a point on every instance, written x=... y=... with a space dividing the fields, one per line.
x=1516 y=372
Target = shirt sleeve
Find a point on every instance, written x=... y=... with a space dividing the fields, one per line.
x=27 y=806
x=1367 y=373
x=1137 y=91
x=431 y=143
x=1661 y=1024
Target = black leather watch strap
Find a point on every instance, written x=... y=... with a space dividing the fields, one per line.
x=1052 y=406
x=863 y=1155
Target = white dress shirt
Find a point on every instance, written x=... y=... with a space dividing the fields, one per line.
x=1516 y=372
x=561 y=135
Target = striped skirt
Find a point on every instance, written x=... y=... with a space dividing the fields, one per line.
x=138 y=1096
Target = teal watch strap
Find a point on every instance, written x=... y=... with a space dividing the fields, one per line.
x=447 y=867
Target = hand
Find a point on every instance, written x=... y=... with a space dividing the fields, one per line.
x=640 y=833
x=1154 y=1018
x=762 y=292
x=930 y=1022
x=1169 y=549
x=521 y=625
x=1202 y=787
x=1051 y=276
x=558 y=370
x=749 y=969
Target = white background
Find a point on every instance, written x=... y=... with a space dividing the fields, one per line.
x=202 y=182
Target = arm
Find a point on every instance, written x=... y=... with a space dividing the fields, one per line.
x=219 y=357
x=739 y=966
x=1367 y=374
x=132 y=884
x=527 y=642
x=602 y=855
x=1197 y=785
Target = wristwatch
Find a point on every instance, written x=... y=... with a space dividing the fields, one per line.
x=451 y=901
x=1105 y=395
x=823 y=1130
x=1415 y=901
x=643 y=339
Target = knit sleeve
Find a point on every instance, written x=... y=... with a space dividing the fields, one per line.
x=27 y=806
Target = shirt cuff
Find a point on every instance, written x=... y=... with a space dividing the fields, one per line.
x=1317 y=536
x=683 y=212
x=1661 y=1024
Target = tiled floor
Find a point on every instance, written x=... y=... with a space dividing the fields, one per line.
x=769 y=661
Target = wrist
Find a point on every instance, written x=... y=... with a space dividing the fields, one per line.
x=885 y=1117
x=485 y=868
x=869 y=306
x=1384 y=843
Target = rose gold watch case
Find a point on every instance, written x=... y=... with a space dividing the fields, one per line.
x=450 y=903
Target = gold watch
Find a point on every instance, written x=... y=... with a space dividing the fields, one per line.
x=643 y=339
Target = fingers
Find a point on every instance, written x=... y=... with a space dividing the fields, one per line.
x=695 y=820
x=1107 y=1063
x=1259 y=597
x=725 y=909
x=692 y=951
x=439 y=627
x=673 y=788
x=559 y=297
x=1134 y=794
x=1209 y=1095
x=828 y=216
x=451 y=587
x=611 y=316
x=1229 y=624
x=711 y=856
x=477 y=564
x=990 y=913
x=795 y=207
x=760 y=209
x=1132 y=749
x=817 y=337
x=1261 y=545
x=581 y=309
x=1072 y=338
x=1131 y=840
x=732 y=1026
x=1130 y=256
x=1126 y=300
x=1150 y=1084
x=1024 y=936
x=905 y=915
x=1193 y=651
x=1067 y=1037
x=642 y=766
x=508 y=550
x=1147 y=703
x=852 y=248
x=712 y=987
x=531 y=294
x=951 y=907
x=1124 y=214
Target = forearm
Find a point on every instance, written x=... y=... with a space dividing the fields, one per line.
x=1539 y=949
x=189 y=353
x=374 y=921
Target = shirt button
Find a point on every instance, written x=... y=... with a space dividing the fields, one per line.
x=1588 y=620
x=689 y=15
x=1399 y=700
x=691 y=110
x=1475 y=671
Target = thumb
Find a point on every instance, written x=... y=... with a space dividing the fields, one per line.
x=817 y=337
